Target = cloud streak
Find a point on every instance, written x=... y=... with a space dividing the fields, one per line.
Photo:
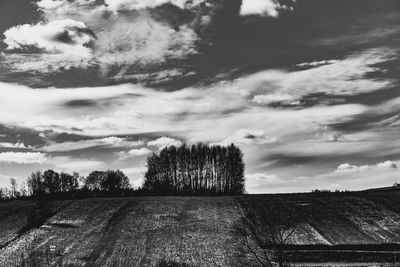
x=108 y=142
x=23 y=157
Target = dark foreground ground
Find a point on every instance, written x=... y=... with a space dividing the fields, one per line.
x=339 y=229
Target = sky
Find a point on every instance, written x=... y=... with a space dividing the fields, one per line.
x=308 y=89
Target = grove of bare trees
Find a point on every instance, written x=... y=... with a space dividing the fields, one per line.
x=196 y=169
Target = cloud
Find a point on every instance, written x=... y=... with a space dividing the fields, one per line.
x=49 y=4
x=387 y=165
x=54 y=9
x=119 y=5
x=57 y=45
x=249 y=137
x=82 y=34
x=263 y=7
x=345 y=167
x=326 y=133
x=317 y=63
x=127 y=41
x=392 y=121
x=215 y=113
x=134 y=153
x=344 y=77
x=12 y=145
x=275 y=98
x=139 y=152
x=110 y=141
x=23 y=157
x=58 y=37
x=218 y=111
x=162 y=142
x=114 y=5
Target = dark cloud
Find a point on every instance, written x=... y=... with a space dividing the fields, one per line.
x=81 y=103
x=26 y=136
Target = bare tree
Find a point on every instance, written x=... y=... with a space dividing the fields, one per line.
x=93 y=180
x=35 y=184
x=13 y=188
x=265 y=229
x=2 y=193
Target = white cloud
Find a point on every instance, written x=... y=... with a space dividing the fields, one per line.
x=62 y=44
x=60 y=6
x=111 y=141
x=387 y=165
x=122 y=39
x=23 y=157
x=49 y=4
x=60 y=36
x=12 y=145
x=218 y=111
x=275 y=98
x=44 y=63
x=118 y=5
x=345 y=167
x=162 y=142
x=340 y=77
x=138 y=152
x=262 y=7
x=380 y=165
x=327 y=134
x=128 y=41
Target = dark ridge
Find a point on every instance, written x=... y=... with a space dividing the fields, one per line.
x=63 y=225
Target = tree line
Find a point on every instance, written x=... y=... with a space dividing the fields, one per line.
x=196 y=169
x=51 y=184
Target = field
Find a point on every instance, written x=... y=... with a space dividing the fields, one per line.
x=347 y=229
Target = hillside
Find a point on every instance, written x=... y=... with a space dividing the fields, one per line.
x=197 y=231
x=133 y=231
